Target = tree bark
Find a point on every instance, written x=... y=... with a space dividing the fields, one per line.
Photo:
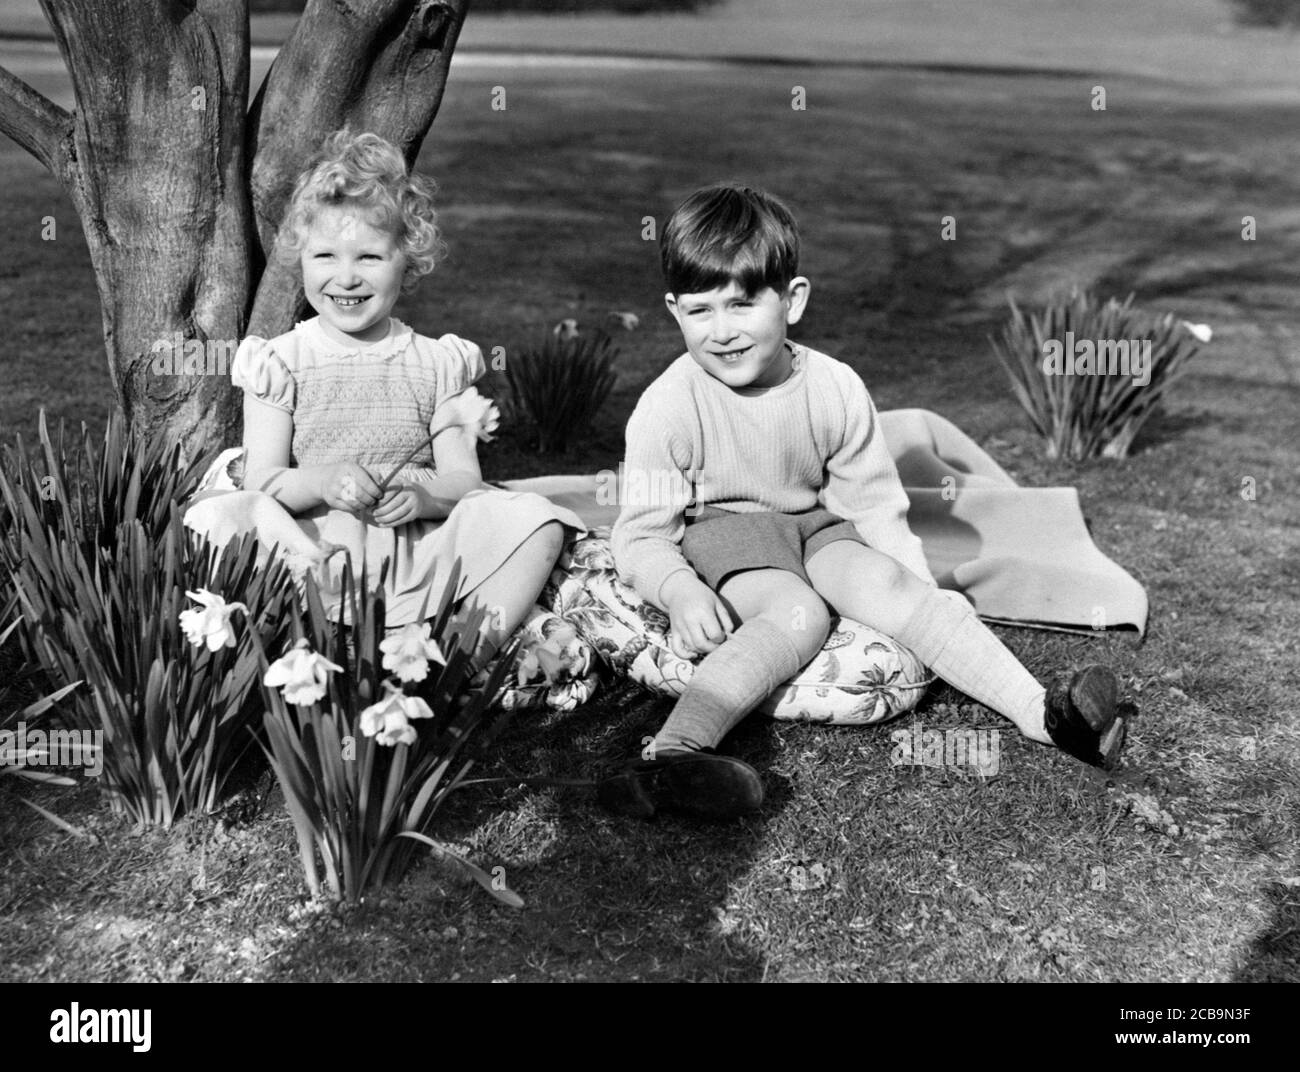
x=180 y=190
x=157 y=136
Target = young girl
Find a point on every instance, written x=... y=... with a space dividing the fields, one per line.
x=333 y=405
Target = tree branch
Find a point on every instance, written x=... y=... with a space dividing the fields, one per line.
x=36 y=123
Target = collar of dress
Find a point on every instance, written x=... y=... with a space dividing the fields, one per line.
x=398 y=339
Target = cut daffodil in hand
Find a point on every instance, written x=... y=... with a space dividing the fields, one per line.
x=469 y=409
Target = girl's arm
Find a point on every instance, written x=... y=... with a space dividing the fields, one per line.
x=455 y=456
x=268 y=437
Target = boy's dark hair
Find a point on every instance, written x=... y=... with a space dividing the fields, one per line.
x=729 y=233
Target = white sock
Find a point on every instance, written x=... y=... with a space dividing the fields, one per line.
x=949 y=638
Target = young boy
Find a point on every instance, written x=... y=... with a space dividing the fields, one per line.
x=799 y=514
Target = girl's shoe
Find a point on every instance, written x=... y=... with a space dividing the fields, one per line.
x=1086 y=718
x=703 y=784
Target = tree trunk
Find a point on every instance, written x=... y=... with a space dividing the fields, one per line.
x=180 y=193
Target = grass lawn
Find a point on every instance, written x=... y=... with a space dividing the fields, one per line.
x=1189 y=871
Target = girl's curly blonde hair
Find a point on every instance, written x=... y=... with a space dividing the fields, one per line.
x=370 y=173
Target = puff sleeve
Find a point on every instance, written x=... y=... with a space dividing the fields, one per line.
x=463 y=368
x=259 y=370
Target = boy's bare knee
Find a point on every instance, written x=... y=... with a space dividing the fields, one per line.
x=890 y=581
x=812 y=637
x=812 y=617
x=803 y=616
x=906 y=585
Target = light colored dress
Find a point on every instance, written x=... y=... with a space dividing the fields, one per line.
x=372 y=405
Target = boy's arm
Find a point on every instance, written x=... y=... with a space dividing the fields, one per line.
x=862 y=482
x=646 y=541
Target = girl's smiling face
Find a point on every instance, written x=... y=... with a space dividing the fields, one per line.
x=352 y=274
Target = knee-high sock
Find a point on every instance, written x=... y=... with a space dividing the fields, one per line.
x=728 y=684
x=949 y=638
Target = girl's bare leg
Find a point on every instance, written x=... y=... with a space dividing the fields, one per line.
x=509 y=594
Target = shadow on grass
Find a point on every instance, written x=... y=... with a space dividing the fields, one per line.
x=1165 y=427
x=607 y=898
x=1274 y=955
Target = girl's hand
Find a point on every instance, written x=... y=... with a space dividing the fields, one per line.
x=348 y=486
x=407 y=502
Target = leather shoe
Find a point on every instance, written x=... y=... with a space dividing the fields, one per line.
x=1086 y=718
x=703 y=784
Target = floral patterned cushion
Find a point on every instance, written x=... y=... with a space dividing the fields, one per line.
x=860 y=676
x=555 y=667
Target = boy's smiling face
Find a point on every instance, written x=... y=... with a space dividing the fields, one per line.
x=739 y=338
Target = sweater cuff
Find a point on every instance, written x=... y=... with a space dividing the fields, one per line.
x=658 y=596
x=653 y=570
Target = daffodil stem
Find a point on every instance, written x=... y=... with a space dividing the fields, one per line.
x=383 y=484
x=537 y=782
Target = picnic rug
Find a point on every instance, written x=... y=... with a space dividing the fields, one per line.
x=1023 y=556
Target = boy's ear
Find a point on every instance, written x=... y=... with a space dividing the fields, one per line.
x=797 y=294
x=670 y=300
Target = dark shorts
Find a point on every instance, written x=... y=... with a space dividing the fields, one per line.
x=719 y=543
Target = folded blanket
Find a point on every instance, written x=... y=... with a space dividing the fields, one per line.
x=1021 y=555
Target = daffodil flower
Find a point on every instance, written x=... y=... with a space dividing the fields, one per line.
x=408 y=652
x=469 y=409
x=389 y=720
x=210 y=623
x=396 y=731
x=303 y=674
x=1201 y=332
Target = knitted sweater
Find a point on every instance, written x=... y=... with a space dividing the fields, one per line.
x=814 y=439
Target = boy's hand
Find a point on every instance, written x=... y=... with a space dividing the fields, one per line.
x=700 y=620
x=347 y=486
